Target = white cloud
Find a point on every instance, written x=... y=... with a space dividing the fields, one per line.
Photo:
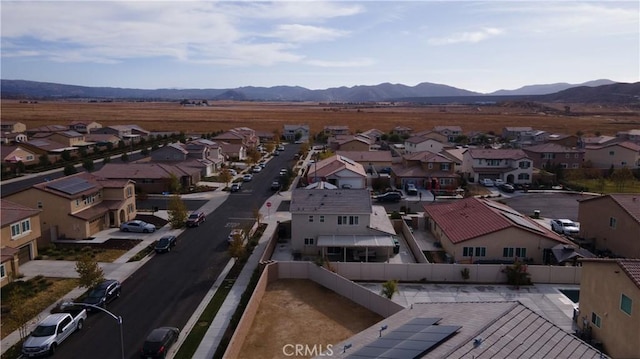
x=352 y=63
x=468 y=37
x=305 y=33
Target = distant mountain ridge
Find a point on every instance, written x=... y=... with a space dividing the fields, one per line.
x=22 y=89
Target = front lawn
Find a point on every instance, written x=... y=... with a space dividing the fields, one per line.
x=605 y=186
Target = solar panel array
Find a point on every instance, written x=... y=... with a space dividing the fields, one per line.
x=411 y=340
x=71 y=186
x=519 y=220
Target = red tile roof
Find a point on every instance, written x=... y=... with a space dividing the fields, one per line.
x=472 y=217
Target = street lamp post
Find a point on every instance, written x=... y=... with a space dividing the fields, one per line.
x=116 y=317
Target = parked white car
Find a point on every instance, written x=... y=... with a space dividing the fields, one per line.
x=137 y=226
x=498 y=182
x=565 y=226
x=487 y=182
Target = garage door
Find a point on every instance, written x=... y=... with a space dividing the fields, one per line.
x=96 y=225
x=24 y=254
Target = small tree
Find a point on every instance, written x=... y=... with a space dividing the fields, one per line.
x=177 y=212
x=19 y=314
x=69 y=170
x=389 y=288
x=65 y=155
x=43 y=160
x=621 y=177
x=237 y=248
x=124 y=157
x=106 y=159
x=88 y=164
x=225 y=176
x=517 y=274
x=174 y=184
x=90 y=273
x=257 y=215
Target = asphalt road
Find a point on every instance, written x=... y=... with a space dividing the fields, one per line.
x=550 y=205
x=169 y=287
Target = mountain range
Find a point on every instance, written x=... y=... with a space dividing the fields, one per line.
x=592 y=91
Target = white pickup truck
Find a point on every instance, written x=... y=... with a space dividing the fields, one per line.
x=52 y=331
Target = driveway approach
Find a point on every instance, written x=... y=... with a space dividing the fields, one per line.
x=550 y=204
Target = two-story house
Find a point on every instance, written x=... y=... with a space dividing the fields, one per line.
x=19 y=234
x=335 y=130
x=84 y=126
x=338 y=170
x=432 y=135
x=340 y=224
x=565 y=140
x=425 y=170
x=613 y=154
x=80 y=205
x=509 y=165
x=549 y=155
x=294 y=133
x=154 y=177
x=401 y=131
x=451 y=132
x=239 y=136
x=124 y=132
x=12 y=127
x=415 y=144
x=631 y=136
x=474 y=230
x=351 y=143
x=609 y=302
x=612 y=222
x=46 y=129
x=513 y=133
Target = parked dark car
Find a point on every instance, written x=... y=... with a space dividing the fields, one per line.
x=103 y=293
x=159 y=341
x=507 y=187
x=195 y=218
x=165 y=243
x=389 y=197
x=275 y=185
x=236 y=186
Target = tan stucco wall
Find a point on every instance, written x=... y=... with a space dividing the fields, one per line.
x=354 y=146
x=33 y=235
x=600 y=158
x=594 y=218
x=495 y=242
x=601 y=288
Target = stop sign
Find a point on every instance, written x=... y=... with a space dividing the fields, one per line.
x=268 y=204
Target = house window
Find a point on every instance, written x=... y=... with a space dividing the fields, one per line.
x=567 y=155
x=547 y=156
x=445 y=166
x=493 y=162
x=308 y=241
x=353 y=220
x=575 y=165
x=430 y=166
x=321 y=219
x=77 y=202
x=481 y=251
x=15 y=230
x=613 y=222
x=523 y=176
x=576 y=155
x=26 y=225
x=595 y=319
x=524 y=164
x=564 y=165
x=348 y=220
x=612 y=153
x=446 y=181
x=39 y=204
x=3 y=274
x=30 y=157
x=467 y=251
x=311 y=219
x=625 y=304
x=521 y=252
x=129 y=191
x=507 y=252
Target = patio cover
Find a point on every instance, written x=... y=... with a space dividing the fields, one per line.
x=356 y=241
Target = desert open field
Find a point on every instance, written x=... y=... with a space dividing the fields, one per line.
x=171 y=116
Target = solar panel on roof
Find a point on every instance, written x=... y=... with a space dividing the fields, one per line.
x=503 y=208
x=523 y=222
x=72 y=185
x=411 y=340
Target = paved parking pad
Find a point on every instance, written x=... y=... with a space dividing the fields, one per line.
x=550 y=205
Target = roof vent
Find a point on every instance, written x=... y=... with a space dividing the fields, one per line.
x=477 y=342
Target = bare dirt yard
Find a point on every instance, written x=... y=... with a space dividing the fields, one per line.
x=224 y=115
x=297 y=311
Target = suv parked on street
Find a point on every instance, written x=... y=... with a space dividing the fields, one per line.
x=165 y=244
x=159 y=341
x=103 y=294
x=195 y=218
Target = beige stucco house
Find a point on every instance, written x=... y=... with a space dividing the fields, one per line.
x=80 y=205
x=609 y=305
x=612 y=222
x=340 y=224
x=339 y=171
x=509 y=165
x=476 y=230
x=12 y=126
x=420 y=144
x=616 y=155
x=19 y=234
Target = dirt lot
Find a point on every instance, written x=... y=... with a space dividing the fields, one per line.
x=223 y=115
x=296 y=311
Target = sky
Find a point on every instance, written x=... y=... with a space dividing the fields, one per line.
x=477 y=46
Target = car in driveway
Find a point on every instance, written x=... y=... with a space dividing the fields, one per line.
x=247 y=178
x=507 y=187
x=159 y=341
x=498 y=182
x=389 y=197
x=412 y=190
x=565 y=226
x=137 y=226
x=165 y=243
x=103 y=294
x=195 y=218
x=487 y=182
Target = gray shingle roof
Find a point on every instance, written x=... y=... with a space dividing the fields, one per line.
x=338 y=201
